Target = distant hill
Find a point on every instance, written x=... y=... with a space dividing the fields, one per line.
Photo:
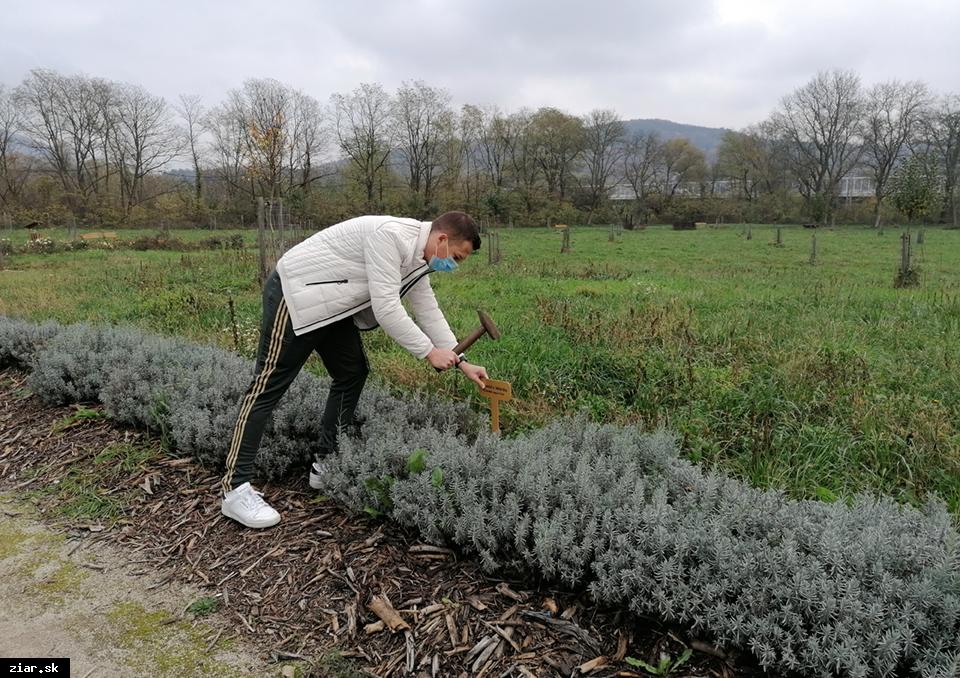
x=707 y=139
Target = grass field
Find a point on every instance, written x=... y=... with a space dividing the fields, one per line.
x=820 y=379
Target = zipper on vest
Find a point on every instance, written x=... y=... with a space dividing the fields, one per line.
x=329 y=282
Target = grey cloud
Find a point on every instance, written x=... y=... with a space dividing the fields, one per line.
x=656 y=58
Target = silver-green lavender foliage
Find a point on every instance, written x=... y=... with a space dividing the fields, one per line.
x=188 y=393
x=870 y=588
x=20 y=340
x=866 y=588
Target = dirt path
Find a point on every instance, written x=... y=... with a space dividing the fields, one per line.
x=63 y=597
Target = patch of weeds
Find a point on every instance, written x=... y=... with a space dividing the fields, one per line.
x=380 y=488
x=83 y=492
x=417 y=462
x=160 y=416
x=666 y=666
x=31 y=472
x=22 y=393
x=12 y=540
x=296 y=669
x=204 y=606
x=65 y=579
x=332 y=665
x=825 y=494
x=170 y=650
x=81 y=496
x=82 y=414
x=127 y=456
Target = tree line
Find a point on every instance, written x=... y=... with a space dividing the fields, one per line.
x=81 y=149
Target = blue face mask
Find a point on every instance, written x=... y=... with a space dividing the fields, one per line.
x=445 y=264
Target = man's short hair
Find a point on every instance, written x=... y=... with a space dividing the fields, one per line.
x=459 y=226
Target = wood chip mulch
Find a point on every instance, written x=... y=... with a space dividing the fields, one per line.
x=325 y=579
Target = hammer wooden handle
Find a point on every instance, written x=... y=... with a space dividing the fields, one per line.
x=466 y=343
x=469 y=341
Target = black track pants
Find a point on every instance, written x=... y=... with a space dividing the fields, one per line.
x=280 y=357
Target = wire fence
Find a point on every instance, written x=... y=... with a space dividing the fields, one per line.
x=277 y=231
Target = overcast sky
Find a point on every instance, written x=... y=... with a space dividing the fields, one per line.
x=720 y=63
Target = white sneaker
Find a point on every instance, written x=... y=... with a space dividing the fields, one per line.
x=317 y=471
x=245 y=505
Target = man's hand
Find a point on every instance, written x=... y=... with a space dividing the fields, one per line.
x=475 y=373
x=442 y=358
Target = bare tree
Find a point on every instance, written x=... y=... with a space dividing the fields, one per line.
x=893 y=113
x=470 y=170
x=143 y=140
x=602 y=154
x=64 y=121
x=821 y=123
x=559 y=139
x=307 y=141
x=941 y=132
x=741 y=157
x=362 y=127
x=641 y=158
x=266 y=139
x=422 y=125
x=192 y=113
x=14 y=167
x=523 y=162
x=450 y=157
x=679 y=162
x=226 y=125
x=266 y=106
x=104 y=95
x=494 y=138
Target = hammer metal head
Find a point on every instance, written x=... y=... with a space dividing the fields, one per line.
x=489 y=325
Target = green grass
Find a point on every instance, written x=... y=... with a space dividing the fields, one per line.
x=82 y=414
x=822 y=380
x=83 y=492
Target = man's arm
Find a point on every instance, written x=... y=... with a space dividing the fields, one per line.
x=382 y=258
x=428 y=314
x=431 y=319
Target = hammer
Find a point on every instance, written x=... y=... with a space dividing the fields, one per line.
x=487 y=326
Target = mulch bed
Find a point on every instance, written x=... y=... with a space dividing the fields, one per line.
x=325 y=579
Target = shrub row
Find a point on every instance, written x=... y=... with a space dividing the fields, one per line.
x=46 y=245
x=860 y=588
x=159 y=241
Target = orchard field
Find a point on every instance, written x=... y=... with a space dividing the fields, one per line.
x=818 y=378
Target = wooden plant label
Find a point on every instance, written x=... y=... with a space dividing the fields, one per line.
x=496 y=391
